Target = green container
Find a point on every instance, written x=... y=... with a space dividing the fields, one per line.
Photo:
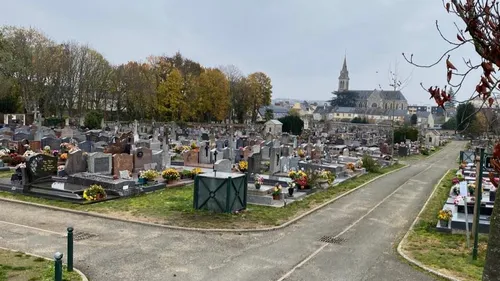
x=220 y=192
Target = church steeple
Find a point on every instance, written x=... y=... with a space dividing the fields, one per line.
x=344 y=77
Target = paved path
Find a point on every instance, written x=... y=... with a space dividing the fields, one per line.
x=367 y=224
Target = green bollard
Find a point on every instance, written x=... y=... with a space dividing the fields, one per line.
x=70 y=248
x=58 y=266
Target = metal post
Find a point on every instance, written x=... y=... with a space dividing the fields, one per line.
x=70 y=249
x=477 y=206
x=58 y=266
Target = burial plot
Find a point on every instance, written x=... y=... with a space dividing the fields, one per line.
x=223 y=165
x=53 y=143
x=142 y=156
x=76 y=163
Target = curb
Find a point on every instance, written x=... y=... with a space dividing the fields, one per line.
x=403 y=241
x=84 y=278
x=292 y=221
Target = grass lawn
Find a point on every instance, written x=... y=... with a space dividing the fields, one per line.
x=446 y=253
x=6 y=174
x=17 y=266
x=417 y=157
x=175 y=207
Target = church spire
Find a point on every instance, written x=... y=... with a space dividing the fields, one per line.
x=344 y=77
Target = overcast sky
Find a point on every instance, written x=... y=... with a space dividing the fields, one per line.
x=300 y=44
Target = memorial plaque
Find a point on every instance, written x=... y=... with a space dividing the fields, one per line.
x=101 y=165
x=41 y=166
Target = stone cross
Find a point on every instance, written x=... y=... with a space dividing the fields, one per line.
x=156 y=133
x=136 y=133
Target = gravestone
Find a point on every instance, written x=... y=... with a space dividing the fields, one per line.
x=247 y=151
x=86 y=146
x=284 y=164
x=223 y=165
x=239 y=143
x=190 y=158
x=226 y=153
x=40 y=166
x=142 y=156
x=101 y=163
x=219 y=144
x=157 y=158
x=122 y=162
x=204 y=154
x=274 y=166
x=266 y=153
x=53 y=143
x=21 y=136
x=254 y=163
x=255 y=148
x=214 y=155
x=294 y=163
x=76 y=163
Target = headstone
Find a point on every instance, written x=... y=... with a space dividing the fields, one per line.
x=76 y=163
x=223 y=165
x=255 y=148
x=55 y=144
x=204 y=154
x=239 y=143
x=274 y=166
x=190 y=158
x=294 y=163
x=247 y=151
x=266 y=153
x=123 y=162
x=100 y=163
x=86 y=146
x=226 y=153
x=254 y=163
x=142 y=156
x=219 y=145
x=214 y=155
x=284 y=164
x=41 y=166
x=20 y=136
x=158 y=159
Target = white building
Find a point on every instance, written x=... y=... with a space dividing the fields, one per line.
x=274 y=127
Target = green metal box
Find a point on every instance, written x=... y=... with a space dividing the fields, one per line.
x=220 y=192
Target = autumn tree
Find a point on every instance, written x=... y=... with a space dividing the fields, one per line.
x=260 y=92
x=480 y=21
x=213 y=95
x=171 y=101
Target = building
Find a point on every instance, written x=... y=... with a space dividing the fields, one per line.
x=425 y=119
x=413 y=109
x=386 y=100
x=273 y=127
x=432 y=137
x=437 y=110
x=278 y=112
x=373 y=115
x=303 y=108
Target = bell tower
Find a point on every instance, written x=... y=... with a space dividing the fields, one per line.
x=344 y=77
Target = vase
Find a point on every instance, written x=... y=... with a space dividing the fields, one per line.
x=302 y=187
x=276 y=197
x=257 y=186
x=290 y=191
x=444 y=223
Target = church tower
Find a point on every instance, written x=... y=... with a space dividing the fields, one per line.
x=344 y=77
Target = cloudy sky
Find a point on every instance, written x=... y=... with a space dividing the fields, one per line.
x=300 y=44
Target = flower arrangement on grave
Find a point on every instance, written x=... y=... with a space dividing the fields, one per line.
x=4 y=152
x=243 y=166
x=350 y=166
x=65 y=147
x=444 y=215
x=170 y=175
x=293 y=174
x=16 y=159
x=149 y=175
x=277 y=191
x=64 y=156
x=60 y=168
x=328 y=176
x=301 y=153
x=94 y=192
x=460 y=177
x=196 y=171
x=457 y=199
x=301 y=179
x=55 y=152
x=359 y=164
x=455 y=181
x=46 y=150
x=259 y=181
x=194 y=146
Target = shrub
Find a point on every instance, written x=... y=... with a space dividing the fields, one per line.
x=424 y=151
x=171 y=174
x=93 y=120
x=370 y=164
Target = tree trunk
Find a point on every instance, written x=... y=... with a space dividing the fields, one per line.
x=491 y=267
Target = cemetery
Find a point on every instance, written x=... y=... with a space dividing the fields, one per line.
x=221 y=169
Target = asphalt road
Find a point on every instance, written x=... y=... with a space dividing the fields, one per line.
x=365 y=225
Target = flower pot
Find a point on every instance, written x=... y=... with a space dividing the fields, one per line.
x=257 y=186
x=444 y=223
x=276 y=196
x=290 y=192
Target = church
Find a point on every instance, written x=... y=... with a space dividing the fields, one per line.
x=381 y=99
